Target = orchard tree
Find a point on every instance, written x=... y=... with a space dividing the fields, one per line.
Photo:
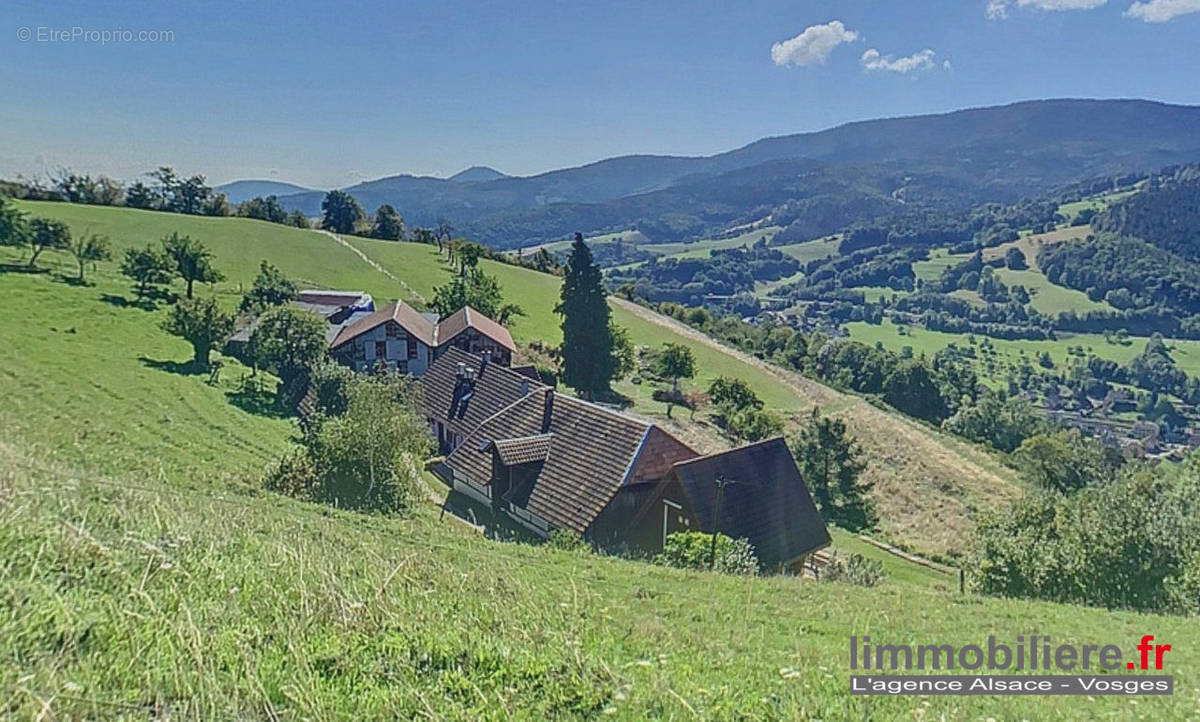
x=389 y=225
x=271 y=288
x=341 y=213
x=89 y=249
x=46 y=233
x=191 y=260
x=290 y=341
x=13 y=224
x=587 y=348
x=675 y=361
x=202 y=323
x=732 y=394
x=147 y=267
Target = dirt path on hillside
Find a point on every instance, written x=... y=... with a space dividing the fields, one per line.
x=370 y=262
x=926 y=485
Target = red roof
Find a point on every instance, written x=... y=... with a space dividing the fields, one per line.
x=468 y=317
x=403 y=314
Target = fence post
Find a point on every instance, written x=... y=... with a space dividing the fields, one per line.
x=961 y=580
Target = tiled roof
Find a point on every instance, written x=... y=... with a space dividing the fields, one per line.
x=523 y=449
x=765 y=502
x=468 y=317
x=591 y=450
x=495 y=388
x=398 y=311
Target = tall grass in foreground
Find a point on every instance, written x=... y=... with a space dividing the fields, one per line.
x=127 y=598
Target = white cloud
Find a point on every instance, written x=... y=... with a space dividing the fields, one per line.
x=998 y=9
x=1160 y=11
x=813 y=45
x=873 y=60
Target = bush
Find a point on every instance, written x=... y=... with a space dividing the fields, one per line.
x=1183 y=588
x=566 y=540
x=365 y=457
x=854 y=569
x=755 y=424
x=693 y=550
x=1129 y=543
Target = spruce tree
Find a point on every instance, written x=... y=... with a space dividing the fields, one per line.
x=587 y=349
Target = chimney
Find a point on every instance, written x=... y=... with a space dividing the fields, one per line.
x=461 y=373
x=548 y=411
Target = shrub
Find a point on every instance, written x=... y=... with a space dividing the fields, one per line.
x=854 y=569
x=365 y=457
x=1128 y=543
x=755 y=424
x=693 y=550
x=568 y=541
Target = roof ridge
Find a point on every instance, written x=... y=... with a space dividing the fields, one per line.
x=534 y=384
x=714 y=454
x=488 y=420
x=611 y=412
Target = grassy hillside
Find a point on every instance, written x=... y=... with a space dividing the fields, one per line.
x=92 y=382
x=895 y=337
x=145 y=575
x=927 y=485
x=239 y=244
x=128 y=597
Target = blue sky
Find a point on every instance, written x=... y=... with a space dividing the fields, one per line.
x=326 y=93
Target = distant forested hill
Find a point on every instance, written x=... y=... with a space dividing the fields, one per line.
x=244 y=190
x=1166 y=214
x=953 y=160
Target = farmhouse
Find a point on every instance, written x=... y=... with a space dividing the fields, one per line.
x=551 y=461
x=401 y=338
x=338 y=308
x=397 y=335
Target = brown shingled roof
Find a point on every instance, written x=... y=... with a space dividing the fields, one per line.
x=590 y=454
x=467 y=317
x=523 y=449
x=767 y=502
x=496 y=387
x=398 y=311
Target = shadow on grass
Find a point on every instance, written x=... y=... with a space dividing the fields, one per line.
x=145 y=304
x=259 y=403
x=183 y=368
x=22 y=268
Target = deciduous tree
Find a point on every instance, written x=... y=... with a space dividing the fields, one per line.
x=202 y=323
x=389 y=225
x=147 y=267
x=46 y=233
x=191 y=260
x=271 y=288
x=290 y=341
x=341 y=212
x=90 y=248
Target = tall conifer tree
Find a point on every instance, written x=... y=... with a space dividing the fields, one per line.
x=587 y=348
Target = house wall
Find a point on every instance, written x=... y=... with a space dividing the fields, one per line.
x=633 y=522
x=360 y=354
x=658 y=454
x=472 y=341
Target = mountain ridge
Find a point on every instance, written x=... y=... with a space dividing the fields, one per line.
x=993 y=151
